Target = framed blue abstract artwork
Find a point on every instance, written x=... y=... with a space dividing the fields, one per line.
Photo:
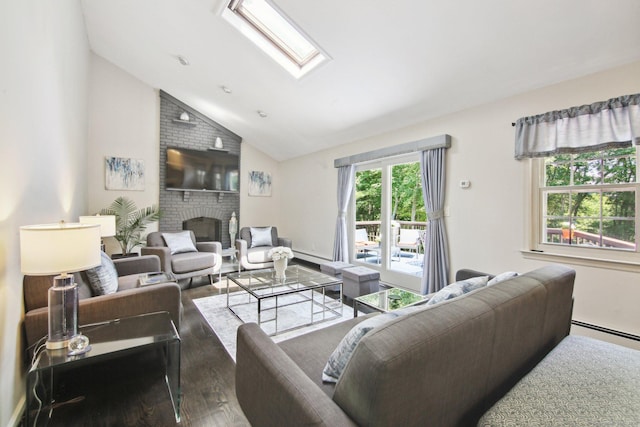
x=259 y=183
x=124 y=174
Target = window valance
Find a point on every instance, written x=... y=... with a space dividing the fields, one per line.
x=609 y=124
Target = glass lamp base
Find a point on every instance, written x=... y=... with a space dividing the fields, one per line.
x=63 y=312
x=57 y=345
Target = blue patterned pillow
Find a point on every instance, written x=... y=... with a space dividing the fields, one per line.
x=103 y=279
x=458 y=288
x=502 y=277
x=341 y=355
x=261 y=237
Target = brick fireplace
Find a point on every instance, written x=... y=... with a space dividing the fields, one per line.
x=205 y=229
x=207 y=213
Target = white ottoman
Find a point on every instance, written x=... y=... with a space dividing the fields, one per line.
x=357 y=281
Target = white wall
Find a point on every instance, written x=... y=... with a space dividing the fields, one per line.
x=309 y=193
x=123 y=122
x=258 y=211
x=486 y=221
x=43 y=125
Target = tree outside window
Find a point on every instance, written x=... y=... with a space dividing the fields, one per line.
x=589 y=199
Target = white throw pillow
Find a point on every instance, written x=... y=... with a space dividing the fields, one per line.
x=502 y=277
x=261 y=237
x=179 y=242
x=458 y=288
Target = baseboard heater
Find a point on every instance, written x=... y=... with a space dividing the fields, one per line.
x=606 y=330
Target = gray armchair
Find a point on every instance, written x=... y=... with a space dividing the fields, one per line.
x=205 y=261
x=251 y=258
x=128 y=300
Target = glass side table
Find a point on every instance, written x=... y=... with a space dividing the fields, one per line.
x=108 y=340
x=232 y=254
x=387 y=300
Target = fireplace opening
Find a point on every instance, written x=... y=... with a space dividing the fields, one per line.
x=205 y=229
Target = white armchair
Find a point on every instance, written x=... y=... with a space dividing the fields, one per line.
x=409 y=240
x=254 y=244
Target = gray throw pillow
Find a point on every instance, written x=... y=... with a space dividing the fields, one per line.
x=261 y=237
x=458 y=288
x=179 y=242
x=103 y=279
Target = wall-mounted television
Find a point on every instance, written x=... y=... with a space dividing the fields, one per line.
x=199 y=170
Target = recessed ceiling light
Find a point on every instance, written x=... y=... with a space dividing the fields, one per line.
x=225 y=89
x=262 y=114
x=184 y=61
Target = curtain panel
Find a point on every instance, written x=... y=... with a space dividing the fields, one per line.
x=345 y=187
x=435 y=274
x=609 y=124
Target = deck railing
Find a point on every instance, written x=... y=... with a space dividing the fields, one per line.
x=373 y=227
x=577 y=237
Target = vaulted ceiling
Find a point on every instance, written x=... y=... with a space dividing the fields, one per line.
x=394 y=63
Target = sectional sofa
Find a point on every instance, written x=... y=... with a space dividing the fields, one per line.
x=499 y=355
x=443 y=365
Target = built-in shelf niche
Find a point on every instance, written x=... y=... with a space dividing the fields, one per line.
x=184 y=122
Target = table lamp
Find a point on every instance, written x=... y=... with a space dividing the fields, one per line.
x=62 y=248
x=107 y=225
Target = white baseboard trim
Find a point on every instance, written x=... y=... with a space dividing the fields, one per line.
x=305 y=256
x=16 y=417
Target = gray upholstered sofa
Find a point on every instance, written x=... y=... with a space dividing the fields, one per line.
x=445 y=365
x=129 y=300
x=251 y=258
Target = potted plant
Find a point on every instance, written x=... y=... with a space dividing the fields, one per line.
x=130 y=222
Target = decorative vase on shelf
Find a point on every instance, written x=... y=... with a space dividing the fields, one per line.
x=280 y=265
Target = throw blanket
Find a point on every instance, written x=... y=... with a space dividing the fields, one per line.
x=582 y=382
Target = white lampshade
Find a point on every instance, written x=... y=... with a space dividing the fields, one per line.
x=107 y=223
x=59 y=248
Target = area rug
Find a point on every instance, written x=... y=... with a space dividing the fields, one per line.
x=225 y=324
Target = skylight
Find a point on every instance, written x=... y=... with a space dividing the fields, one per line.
x=264 y=24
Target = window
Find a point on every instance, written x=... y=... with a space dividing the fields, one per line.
x=588 y=201
x=264 y=24
x=390 y=218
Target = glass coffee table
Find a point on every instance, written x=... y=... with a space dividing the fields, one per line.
x=262 y=298
x=108 y=341
x=387 y=300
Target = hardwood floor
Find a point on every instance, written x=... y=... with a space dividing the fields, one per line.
x=131 y=392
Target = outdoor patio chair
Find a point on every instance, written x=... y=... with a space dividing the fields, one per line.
x=409 y=239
